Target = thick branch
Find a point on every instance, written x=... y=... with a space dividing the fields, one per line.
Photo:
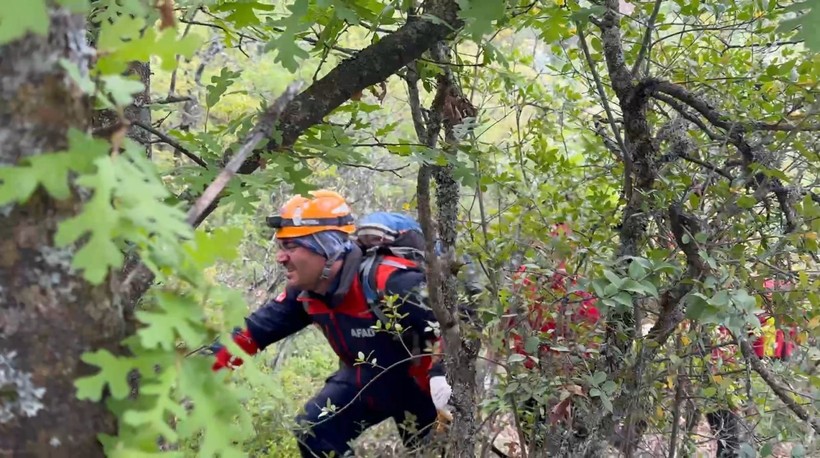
x=717 y=118
x=368 y=67
x=671 y=314
x=677 y=106
x=735 y=133
x=614 y=52
x=137 y=275
x=170 y=99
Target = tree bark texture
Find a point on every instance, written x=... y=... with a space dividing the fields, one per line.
x=109 y=120
x=462 y=347
x=640 y=155
x=49 y=316
x=460 y=351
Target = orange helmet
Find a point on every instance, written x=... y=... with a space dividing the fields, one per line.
x=300 y=216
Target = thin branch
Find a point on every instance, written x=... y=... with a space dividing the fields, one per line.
x=170 y=141
x=707 y=165
x=627 y=157
x=245 y=36
x=172 y=87
x=449 y=64
x=380 y=144
x=170 y=99
x=773 y=44
x=677 y=106
x=699 y=29
x=769 y=378
x=393 y=170
x=673 y=440
x=412 y=78
x=647 y=38
x=715 y=117
x=262 y=130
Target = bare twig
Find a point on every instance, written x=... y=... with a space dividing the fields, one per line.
x=170 y=141
x=677 y=106
x=262 y=130
x=171 y=99
x=673 y=439
x=707 y=165
x=647 y=38
x=625 y=154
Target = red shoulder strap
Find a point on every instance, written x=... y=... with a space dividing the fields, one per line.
x=387 y=266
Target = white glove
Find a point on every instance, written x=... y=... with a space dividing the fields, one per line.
x=440 y=391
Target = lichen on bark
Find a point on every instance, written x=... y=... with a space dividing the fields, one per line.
x=49 y=315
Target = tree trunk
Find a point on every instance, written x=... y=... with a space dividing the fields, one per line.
x=50 y=316
x=462 y=348
x=106 y=121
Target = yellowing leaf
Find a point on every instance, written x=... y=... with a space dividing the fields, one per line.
x=814 y=322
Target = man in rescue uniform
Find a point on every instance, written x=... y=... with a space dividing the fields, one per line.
x=395 y=379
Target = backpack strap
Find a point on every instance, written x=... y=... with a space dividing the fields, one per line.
x=350 y=269
x=375 y=270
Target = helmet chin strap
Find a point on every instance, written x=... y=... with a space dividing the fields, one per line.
x=330 y=261
x=328 y=266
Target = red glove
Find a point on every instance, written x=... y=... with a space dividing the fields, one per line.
x=224 y=359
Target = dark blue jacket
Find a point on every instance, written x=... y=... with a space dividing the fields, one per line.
x=348 y=324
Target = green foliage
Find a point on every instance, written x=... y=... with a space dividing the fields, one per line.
x=126 y=204
x=539 y=152
x=18 y=18
x=479 y=16
x=128 y=39
x=285 y=45
x=50 y=171
x=806 y=18
x=221 y=83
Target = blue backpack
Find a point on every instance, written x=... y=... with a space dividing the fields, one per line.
x=382 y=234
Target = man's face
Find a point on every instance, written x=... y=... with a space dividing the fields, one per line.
x=304 y=267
